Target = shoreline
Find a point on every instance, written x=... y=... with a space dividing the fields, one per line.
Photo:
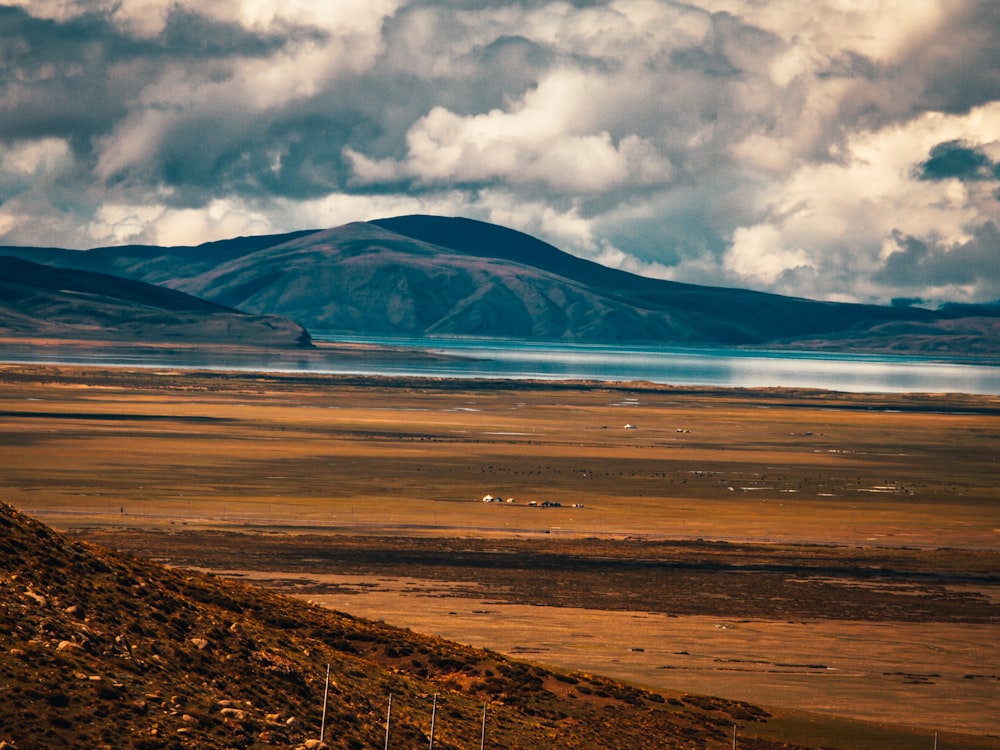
x=680 y=367
x=773 y=396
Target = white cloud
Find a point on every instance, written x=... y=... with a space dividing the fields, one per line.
x=28 y=170
x=133 y=143
x=341 y=17
x=117 y=224
x=58 y=10
x=144 y=18
x=221 y=219
x=564 y=228
x=626 y=31
x=154 y=223
x=34 y=158
x=838 y=218
x=543 y=140
x=759 y=255
x=342 y=208
x=158 y=223
x=614 y=257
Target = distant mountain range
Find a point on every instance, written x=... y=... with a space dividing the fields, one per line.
x=428 y=275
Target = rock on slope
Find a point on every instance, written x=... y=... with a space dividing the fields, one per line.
x=102 y=650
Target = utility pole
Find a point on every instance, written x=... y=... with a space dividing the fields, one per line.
x=388 y=717
x=734 y=737
x=433 y=718
x=326 y=693
x=482 y=738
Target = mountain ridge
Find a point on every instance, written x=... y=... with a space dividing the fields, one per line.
x=44 y=301
x=430 y=275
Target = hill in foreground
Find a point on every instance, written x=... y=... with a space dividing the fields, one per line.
x=103 y=650
x=40 y=301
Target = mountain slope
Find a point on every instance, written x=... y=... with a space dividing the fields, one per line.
x=361 y=278
x=151 y=263
x=103 y=650
x=743 y=315
x=43 y=301
x=415 y=275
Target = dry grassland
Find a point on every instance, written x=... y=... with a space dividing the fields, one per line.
x=308 y=468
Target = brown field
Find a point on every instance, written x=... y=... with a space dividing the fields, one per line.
x=830 y=553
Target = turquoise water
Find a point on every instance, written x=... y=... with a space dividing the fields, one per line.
x=715 y=366
x=494 y=358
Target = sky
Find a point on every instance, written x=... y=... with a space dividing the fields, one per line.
x=835 y=149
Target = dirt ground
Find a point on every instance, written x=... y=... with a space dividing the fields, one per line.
x=812 y=550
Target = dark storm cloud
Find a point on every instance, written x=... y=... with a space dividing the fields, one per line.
x=294 y=153
x=709 y=62
x=188 y=35
x=952 y=66
x=958 y=159
x=919 y=263
x=961 y=61
x=77 y=78
x=514 y=63
x=730 y=49
x=851 y=65
x=55 y=76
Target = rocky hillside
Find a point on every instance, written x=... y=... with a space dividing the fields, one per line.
x=431 y=275
x=39 y=301
x=103 y=650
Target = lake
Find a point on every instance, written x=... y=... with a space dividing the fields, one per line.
x=714 y=366
x=677 y=365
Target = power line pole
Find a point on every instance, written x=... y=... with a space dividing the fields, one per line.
x=326 y=693
x=433 y=719
x=388 y=717
x=482 y=738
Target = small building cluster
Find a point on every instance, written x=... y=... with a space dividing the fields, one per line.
x=497 y=499
x=530 y=503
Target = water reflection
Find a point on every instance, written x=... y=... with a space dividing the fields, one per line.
x=491 y=358
x=716 y=366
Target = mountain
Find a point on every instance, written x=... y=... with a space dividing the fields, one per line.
x=39 y=301
x=966 y=335
x=151 y=263
x=99 y=649
x=415 y=275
